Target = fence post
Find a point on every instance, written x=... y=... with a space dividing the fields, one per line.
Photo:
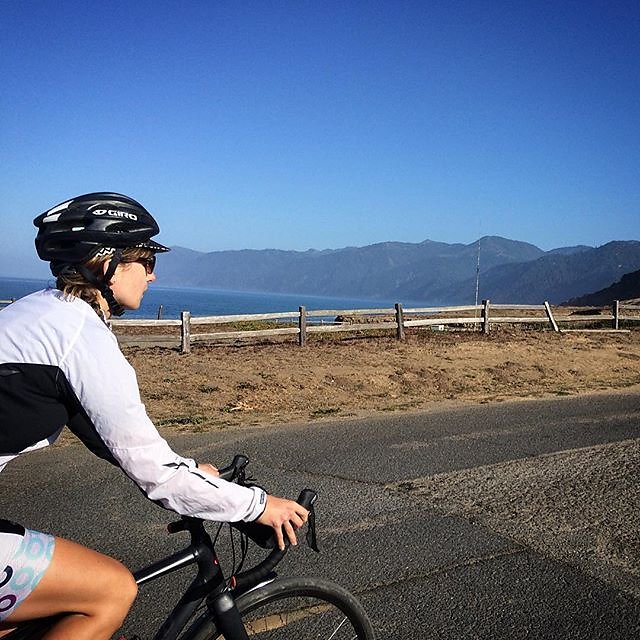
x=552 y=320
x=186 y=332
x=160 y=310
x=400 y=321
x=302 y=327
x=485 y=316
x=616 y=314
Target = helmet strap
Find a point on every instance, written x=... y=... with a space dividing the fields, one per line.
x=102 y=283
x=116 y=258
x=115 y=307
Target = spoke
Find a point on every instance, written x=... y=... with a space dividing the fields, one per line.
x=333 y=635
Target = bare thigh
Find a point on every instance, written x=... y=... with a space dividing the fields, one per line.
x=78 y=581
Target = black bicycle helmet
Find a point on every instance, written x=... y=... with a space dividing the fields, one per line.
x=74 y=231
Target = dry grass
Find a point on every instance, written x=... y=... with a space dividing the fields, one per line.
x=271 y=383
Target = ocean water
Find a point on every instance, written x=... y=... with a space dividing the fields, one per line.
x=210 y=302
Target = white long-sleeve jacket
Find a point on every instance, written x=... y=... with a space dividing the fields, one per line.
x=61 y=365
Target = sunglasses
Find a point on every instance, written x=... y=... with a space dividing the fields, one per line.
x=148 y=263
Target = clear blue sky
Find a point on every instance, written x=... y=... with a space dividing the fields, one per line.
x=297 y=125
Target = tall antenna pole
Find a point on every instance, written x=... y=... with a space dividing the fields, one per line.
x=478 y=273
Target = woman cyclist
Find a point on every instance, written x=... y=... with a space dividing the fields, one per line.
x=61 y=365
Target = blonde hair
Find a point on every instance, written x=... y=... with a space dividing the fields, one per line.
x=74 y=284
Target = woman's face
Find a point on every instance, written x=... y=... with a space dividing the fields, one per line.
x=130 y=281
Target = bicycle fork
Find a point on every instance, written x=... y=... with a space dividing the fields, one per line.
x=225 y=613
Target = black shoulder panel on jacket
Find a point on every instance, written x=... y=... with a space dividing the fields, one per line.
x=31 y=405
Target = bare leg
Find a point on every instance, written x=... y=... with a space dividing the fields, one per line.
x=95 y=591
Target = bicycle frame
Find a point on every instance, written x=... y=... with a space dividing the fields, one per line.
x=208 y=584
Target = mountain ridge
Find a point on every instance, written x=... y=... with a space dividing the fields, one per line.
x=555 y=276
x=509 y=271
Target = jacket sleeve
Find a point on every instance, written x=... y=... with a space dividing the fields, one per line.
x=118 y=429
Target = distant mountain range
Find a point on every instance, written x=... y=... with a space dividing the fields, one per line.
x=431 y=272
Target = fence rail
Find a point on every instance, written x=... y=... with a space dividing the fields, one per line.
x=304 y=322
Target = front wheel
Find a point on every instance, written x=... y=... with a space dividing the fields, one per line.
x=299 y=609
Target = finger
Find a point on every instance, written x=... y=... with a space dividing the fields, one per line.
x=209 y=468
x=291 y=534
x=296 y=521
x=298 y=515
x=279 y=538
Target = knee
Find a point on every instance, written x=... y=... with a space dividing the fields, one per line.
x=126 y=589
x=129 y=587
x=117 y=596
x=104 y=615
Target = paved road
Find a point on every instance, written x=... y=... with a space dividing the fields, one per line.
x=420 y=574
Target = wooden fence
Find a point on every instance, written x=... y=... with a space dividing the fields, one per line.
x=303 y=322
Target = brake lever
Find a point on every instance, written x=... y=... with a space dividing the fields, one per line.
x=235 y=469
x=311 y=537
x=308 y=499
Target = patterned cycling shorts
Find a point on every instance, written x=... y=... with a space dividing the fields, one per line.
x=28 y=563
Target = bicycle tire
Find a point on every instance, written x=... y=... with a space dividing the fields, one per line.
x=300 y=609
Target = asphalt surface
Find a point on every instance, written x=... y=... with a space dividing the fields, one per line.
x=419 y=572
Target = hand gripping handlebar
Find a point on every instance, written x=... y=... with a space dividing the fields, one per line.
x=261 y=534
x=247 y=579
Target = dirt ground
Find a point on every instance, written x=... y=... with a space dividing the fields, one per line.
x=275 y=383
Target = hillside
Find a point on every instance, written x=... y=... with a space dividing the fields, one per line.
x=627 y=288
x=555 y=276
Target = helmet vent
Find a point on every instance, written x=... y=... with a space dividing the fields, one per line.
x=117 y=227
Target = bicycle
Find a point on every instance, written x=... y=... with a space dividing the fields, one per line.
x=250 y=604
